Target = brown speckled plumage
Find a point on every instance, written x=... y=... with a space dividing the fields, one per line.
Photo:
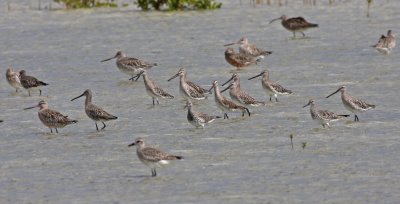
x=94 y=112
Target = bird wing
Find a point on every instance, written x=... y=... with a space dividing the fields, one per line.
x=153 y=154
x=280 y=89
x=197 y=87
x=328 y=115
x=98 y=113
x=162 y=93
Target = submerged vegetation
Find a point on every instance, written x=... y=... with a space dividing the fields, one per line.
x=174 y=5
x=74 y=4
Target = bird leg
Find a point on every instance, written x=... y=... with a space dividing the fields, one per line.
x=270 y=98
x=304 y=35
x=276 y=99
x=294 y=34
x=51 y=131
x=226 y=116
x=153 y=102
x=96 y=126
x=153 y=172
x=40 y=92
x=158 y=103
x=356 y=118
x=29 y=93
x=103 y=126
x=56 y=130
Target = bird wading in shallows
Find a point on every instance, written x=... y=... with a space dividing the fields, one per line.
x=94 y=112
x=51 y=118
x=152 y=157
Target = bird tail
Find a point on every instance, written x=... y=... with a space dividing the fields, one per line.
x=113 y=117
x=43 y=84
x=74 y=121
x=313 y=25
x=173 y=157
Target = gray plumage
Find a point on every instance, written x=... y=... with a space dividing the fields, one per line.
x=153 y=90
x=188 y=89
x=30 y=82
x=196 y=118
x=152 y=157
x=13 y=79
x=324 y=117
x=94 y=112
x=351 y=103
x=238 y=95
x=130 y=65
x=51 y=118
x=270 y=87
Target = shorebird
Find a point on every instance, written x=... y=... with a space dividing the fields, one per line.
x=130 y=66
x=352 y=103
x=226 y=105
x=94 y=112
x=238 y=60
x=13 y=79
x=250 y=49
x=297 y=24
x=238 y=95
x=51 y=118
x=152 y=89
x=152 y=157
x=386 y=43
x=188 y=89
x=324 y=117
x=270 y=87
x=30 y=82
x=198 y=119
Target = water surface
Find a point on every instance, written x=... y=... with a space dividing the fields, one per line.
x=240 y=160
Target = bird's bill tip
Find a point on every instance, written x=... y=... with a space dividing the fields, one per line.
x=306 y=105
x=173 y=77
x=226 y=88
x=333 y=93
x=132 y=144
x=275 y=20
x=77 y=97
x=107 y=59
x=229 y=44
x=254 y=76
x=30 y=107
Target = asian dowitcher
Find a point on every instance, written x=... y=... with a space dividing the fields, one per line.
x=250 y=49
x=152 y=89
x=239 y=60
x=152 y=157
x=238 y=95
x=30 y=82
x=323 y=117
x=51 y=118
x=297 y=24
x=13 y=79
x=352 y=103
x=196 y=118
x=270 y=87
x=226 y=105
x=131 y=66
x=188 y=89
x=94 y=112
x=386 y=43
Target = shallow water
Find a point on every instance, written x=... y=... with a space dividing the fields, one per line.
x=240 y=160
